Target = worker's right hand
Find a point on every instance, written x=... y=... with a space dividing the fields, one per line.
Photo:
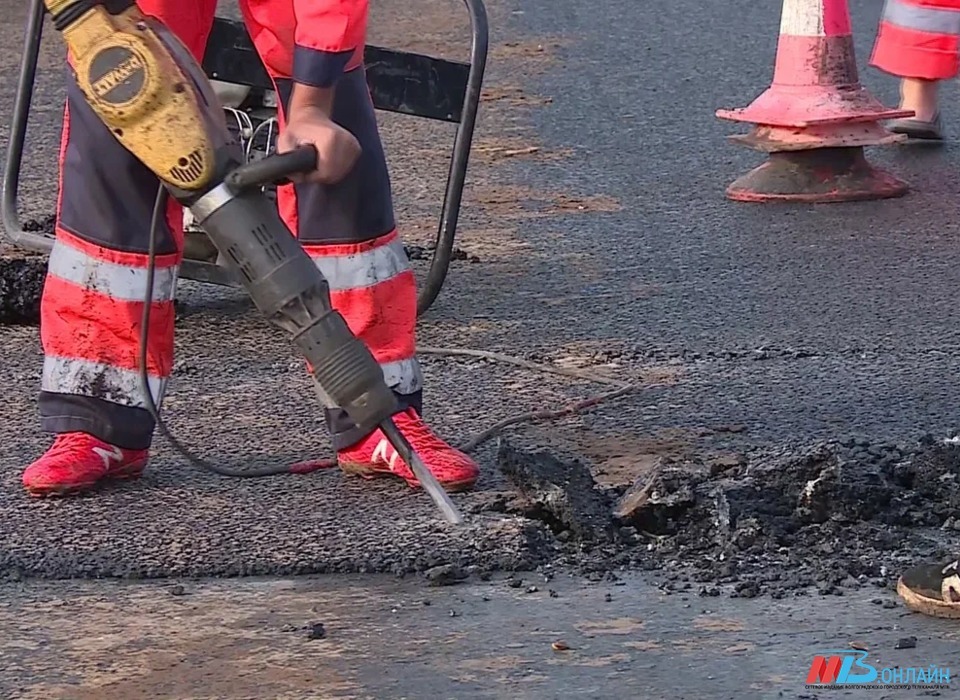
x=337 y=149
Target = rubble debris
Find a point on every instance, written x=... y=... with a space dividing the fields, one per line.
x=446 y=575
x=22 y=277
x=732 y=428
x=637 y=495
x=746 y=589
x=722 y=463
x=906 y=643
x=828 y=518
x=46 y=226
x=563 y=492
x=419 y=252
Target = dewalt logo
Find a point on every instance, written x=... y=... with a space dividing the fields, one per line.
x=117 y=75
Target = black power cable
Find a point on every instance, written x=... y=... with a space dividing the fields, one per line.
x=156 y=220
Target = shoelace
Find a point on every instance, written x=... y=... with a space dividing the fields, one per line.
x=419 y=434
x=71 y=441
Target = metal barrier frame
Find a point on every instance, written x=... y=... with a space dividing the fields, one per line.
x=400 y=82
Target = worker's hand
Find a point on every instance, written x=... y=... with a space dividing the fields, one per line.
x=337 y=149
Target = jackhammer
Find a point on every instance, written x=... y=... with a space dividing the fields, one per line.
x=155 y=98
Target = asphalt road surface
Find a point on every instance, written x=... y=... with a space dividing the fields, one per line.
x=595 y=211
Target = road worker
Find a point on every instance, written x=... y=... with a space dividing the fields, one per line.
x=342 y=213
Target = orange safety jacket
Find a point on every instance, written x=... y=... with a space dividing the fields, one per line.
x=311 y=41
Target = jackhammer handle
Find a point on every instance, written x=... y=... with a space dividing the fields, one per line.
x=274 y=169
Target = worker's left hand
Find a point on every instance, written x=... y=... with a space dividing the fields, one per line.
x=337 y=149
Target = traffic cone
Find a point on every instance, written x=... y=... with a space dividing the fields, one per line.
x=816 y=118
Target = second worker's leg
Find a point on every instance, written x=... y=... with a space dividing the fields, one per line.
x=918 y=41
x=349 y=231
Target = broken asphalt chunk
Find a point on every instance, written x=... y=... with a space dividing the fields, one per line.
x=563 y=492
x=445 y=575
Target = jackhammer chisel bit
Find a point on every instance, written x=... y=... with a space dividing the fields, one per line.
x=151 y=93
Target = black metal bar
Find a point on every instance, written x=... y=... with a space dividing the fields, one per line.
x=417 y=85
x=18 y=134
x=211 y=273
x=406 y=83
x=456 y=178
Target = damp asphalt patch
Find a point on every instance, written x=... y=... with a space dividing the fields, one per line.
x=379 y=637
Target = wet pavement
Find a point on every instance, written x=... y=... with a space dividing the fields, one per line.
x=594 y=210
x=376 y=638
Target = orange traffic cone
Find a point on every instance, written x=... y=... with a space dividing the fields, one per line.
x=815 y=118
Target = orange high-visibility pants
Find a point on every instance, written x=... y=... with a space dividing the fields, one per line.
x=96 y=282
x=919 y=39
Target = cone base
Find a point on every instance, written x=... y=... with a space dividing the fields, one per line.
x=803 y=107
x=773 y=139
x=815 y=176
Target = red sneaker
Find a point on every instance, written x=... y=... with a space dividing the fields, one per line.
x=375 y=456
x=77 y=461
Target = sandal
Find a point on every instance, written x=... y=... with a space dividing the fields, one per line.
x=932 y=589
x=918 y=129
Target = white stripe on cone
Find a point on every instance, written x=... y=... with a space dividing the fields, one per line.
x=121 y=282
x=802 y=18
x=70 y=375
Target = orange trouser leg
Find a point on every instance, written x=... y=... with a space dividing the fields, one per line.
x=348 y=229
x=96 y=281
x=919 y=39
